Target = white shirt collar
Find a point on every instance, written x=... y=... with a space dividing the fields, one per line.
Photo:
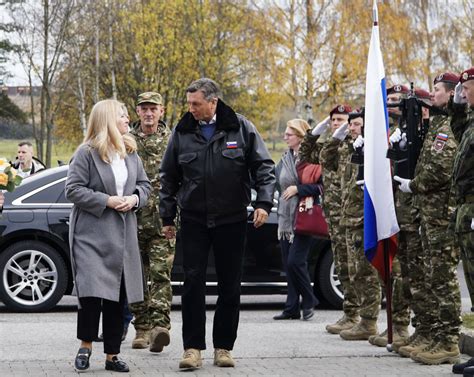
x=212 y=121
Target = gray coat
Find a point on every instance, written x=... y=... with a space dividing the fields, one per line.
x=103 y=241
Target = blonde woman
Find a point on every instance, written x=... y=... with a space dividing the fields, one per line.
x=294 y=247
x=106 y=183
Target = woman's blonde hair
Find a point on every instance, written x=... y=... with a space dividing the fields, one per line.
x=103 y=133
x=300 y=126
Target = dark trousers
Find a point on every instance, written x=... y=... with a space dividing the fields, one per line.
x=112 y=321
x=228 y=244
x=295 y=263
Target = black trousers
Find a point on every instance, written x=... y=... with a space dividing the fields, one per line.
x=228 y=244
x=295 y=263
x=112 y=321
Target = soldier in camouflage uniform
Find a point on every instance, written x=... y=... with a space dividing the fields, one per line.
x=332 y=175
x=152 y=316
x=462 y=125
x=431 y=187
x=363 y=277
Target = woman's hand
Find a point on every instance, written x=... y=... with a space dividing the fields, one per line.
x=114 y=201
x=128 y=202
x=289 y=192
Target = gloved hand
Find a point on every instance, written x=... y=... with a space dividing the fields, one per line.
x=398 y=137
x=472 y=224
x=321 y=127
x=458 y=98
x=361 y=184
x=404 y=183
x=341 y=132
x=359 y=142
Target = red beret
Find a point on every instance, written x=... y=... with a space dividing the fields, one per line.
x=398 y=89
x=467 y=75
x=448 y=77
x=422 y=94
x=341 y=109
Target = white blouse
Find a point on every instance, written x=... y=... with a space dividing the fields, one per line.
x=120 y=171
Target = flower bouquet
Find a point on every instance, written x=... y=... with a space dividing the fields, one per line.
x=8 y=176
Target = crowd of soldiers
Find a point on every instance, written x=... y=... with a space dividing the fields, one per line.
x=435 y=210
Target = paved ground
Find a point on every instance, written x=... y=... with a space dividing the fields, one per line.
x=45 y=345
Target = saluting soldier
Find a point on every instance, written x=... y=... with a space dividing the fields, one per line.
x=462 y=124
x=333 y=169
x=440 y=298
x=152 y=316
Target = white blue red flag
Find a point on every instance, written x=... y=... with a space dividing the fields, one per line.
x=380 y=220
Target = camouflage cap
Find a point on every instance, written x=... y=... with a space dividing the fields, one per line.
x=150 y=97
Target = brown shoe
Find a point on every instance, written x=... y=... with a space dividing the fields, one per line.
x=191 y=359
x=441 y=353
x=141 y=340
x=223 y=358
x=419 y=343
x=344 y=323
x=159 y=337
x=400 y=334
x=362 y=331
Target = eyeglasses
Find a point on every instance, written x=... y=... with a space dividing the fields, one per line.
x=288 y=135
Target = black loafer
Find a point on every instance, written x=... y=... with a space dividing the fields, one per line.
x=459 y=368
x=468 y=372
x=286 y=316
x=116 y=365
x=82 y=359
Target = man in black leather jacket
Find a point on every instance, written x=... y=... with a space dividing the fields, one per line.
x=212 y=155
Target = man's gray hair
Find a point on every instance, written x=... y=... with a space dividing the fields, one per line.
x=208 y=87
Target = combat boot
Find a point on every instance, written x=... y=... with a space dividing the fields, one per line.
x=399 y=332
x=362 y=331
x=441 y=353
x=343 y=323
x=404 y=341
x=159 y=337
x=142 y=339
x=419 y=342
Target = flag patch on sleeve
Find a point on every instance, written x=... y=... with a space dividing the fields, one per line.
x=231 y=144
x=440 y=142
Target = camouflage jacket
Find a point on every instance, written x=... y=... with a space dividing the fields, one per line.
x=311 y=146
x=431 y=185
x=352 y=195
x=462 y=124
x=151 y=148
x=333 y=157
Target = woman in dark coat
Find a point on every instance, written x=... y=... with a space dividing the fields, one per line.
x=106 y=182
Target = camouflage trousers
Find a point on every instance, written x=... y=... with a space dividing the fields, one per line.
x=400 y=297
x=365 y=280
x=344 y=266
x=443 y=299
x=157 y=256
x=412 y=260
x=465 y=240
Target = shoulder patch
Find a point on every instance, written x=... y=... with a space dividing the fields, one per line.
x=439 y=142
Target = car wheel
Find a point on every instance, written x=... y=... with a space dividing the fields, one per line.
x=328 y=282
x=33 y=276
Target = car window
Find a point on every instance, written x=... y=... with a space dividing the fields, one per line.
x=48 y=195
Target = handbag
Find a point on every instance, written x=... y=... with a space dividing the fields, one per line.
x=309 y=217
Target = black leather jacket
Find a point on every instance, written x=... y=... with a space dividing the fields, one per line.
x=210 y=180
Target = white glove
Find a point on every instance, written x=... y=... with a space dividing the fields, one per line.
x=458 y=98
x=404 y=184
x=472 y=224
x=361 y=184
x=341 y=132
x=321 y=127
x=359 y=142
x=399 y=137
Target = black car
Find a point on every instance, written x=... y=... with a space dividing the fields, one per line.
x=35 y=271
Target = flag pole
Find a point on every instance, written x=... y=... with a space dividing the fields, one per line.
x=388 y=293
